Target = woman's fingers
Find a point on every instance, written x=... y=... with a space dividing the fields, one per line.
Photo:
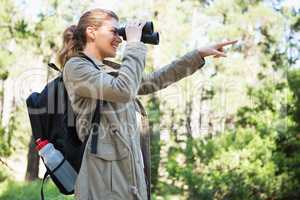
x=222 y=44
x=216 y=50
x=219 y=50
x=218 y=54
x=133 y=31
x=142 y=23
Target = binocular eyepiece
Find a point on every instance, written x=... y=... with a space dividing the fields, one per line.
x=148 y=35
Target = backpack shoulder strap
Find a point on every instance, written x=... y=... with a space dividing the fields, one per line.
x=53 y=66
x=94 y=132
x=82 y=55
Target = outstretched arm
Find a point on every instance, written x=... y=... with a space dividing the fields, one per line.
x=180 y=68
x=176 y=70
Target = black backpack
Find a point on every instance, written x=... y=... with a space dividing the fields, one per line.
x=52 y=118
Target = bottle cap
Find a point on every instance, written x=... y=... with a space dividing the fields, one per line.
x=40 y=144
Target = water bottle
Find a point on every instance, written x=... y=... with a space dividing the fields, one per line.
x=65 y=173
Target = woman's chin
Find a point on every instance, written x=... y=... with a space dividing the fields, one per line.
x=112 y=54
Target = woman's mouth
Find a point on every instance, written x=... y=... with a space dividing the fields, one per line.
x=115 y=46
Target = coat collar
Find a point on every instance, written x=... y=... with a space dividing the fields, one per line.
x=107 y=65
x=99 y=63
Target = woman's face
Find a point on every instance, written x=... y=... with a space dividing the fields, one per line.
x=107 y=39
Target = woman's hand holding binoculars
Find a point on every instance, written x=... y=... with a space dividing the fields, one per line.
x=133 y=31
x=147 y=34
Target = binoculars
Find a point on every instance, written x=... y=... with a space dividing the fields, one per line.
x=148 y=35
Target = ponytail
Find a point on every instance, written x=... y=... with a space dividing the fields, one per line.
x=71 y=45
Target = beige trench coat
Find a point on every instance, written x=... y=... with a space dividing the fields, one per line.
x=122 y=159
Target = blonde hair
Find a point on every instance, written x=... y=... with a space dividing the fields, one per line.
x=74 y=37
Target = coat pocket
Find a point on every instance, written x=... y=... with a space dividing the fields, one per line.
x=111 y=168
x=108 y=146
x=110 y=152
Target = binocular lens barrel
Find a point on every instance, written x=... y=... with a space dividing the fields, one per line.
x=151 y=39
x=148 y=35
x=148 y=28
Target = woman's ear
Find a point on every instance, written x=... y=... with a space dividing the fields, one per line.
x=90 y=33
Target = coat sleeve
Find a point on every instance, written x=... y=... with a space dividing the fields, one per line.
x=175 y=71
x=86 y=81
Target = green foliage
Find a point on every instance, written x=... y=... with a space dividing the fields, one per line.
x=229 y=171
x=155 y=146
x=5 y=143
x=29 y=191
x=259 y=159
x=249 y=162
x=3 y=173
x=294 y=82
x=6 y=136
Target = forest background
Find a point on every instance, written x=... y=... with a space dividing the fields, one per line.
x=229 y=131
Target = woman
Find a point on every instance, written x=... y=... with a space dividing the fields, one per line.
x=116 y=168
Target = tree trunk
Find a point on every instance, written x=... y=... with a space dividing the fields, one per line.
x=32 y=170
